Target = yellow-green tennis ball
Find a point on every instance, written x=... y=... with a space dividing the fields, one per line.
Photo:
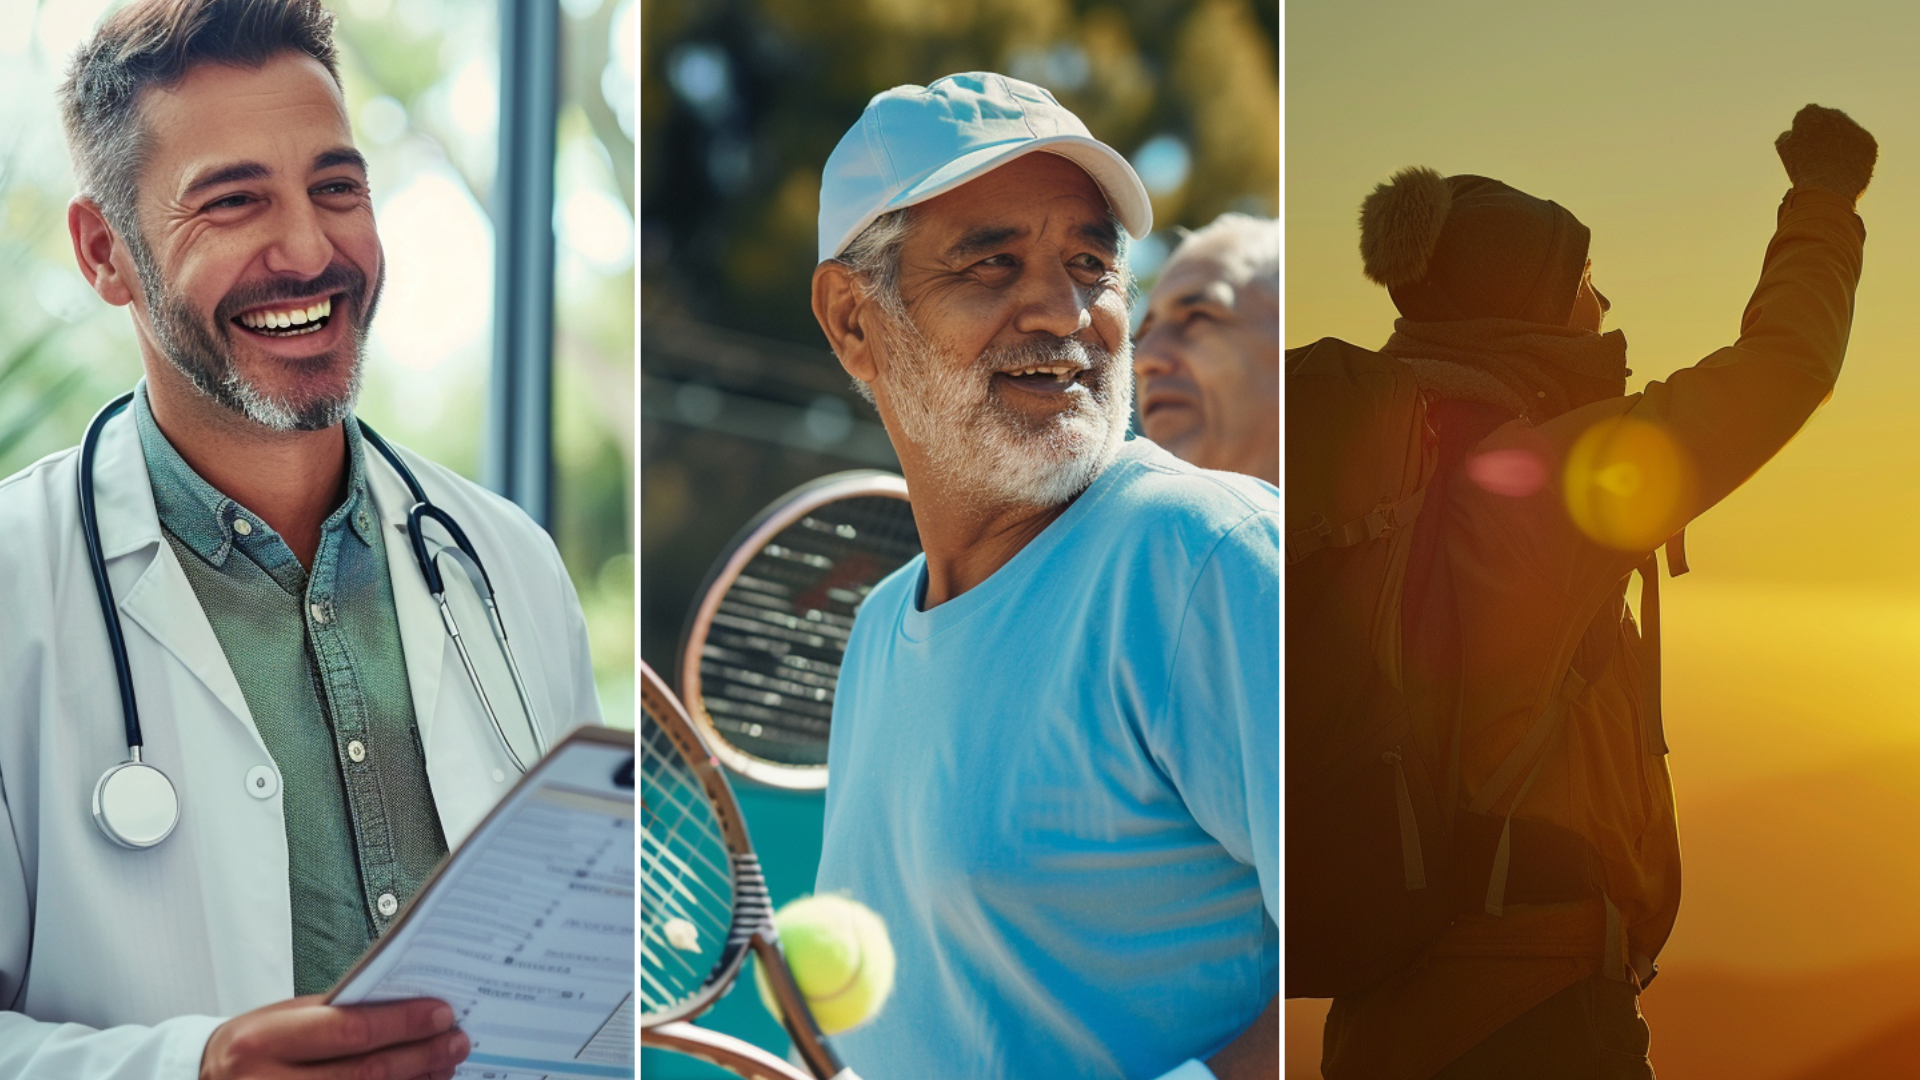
x=841 y=959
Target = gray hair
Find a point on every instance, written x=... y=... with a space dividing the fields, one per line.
x=1253 y=244
x=155 y=43
x=873 y=258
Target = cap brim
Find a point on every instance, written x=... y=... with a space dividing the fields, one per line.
x=1117 y=180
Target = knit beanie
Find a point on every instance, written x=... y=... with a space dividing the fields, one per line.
x=1466 y=247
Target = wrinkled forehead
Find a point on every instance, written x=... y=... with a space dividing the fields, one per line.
x=278 y=114
x=1193 y=277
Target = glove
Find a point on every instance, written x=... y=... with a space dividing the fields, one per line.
x=1827 y=149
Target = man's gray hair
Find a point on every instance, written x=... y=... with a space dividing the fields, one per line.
x=155 y=43
x=1253 y=241
x=873 y=257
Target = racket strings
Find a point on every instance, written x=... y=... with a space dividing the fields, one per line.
x=686 y=881
x=772 y=654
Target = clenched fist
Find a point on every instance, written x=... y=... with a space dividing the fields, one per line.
x=1827 y=149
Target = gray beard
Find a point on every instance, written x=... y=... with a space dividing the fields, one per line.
x=207 y=363
x=988 y=455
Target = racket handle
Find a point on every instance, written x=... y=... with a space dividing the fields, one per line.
x=798 y=1020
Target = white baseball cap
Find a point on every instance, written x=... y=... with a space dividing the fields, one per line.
x=915 y=142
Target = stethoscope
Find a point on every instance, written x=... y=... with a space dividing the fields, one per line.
x=134 y=803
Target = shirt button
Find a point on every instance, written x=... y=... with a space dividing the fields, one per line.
x=387 y=904
x=319 y=612
x=362 y=519
x=243 y=526
x=262 y=782
x=499 y=776
x=357 y=750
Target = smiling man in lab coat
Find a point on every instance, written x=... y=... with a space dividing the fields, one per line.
x=294 y=679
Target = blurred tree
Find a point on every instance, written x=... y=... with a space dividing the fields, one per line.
x=742 y=100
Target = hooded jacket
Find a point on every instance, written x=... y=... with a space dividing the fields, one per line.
x=1539 y=572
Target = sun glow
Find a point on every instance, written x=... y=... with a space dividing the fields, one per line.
x=1626 y=482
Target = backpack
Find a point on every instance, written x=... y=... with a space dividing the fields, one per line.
x=1382 y=850
x=1368 y=824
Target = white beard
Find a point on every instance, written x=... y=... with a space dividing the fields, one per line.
x=989 y=455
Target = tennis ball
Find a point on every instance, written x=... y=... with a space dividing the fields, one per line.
x=841 y=959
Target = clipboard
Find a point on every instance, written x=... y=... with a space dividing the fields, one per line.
x=527 y=929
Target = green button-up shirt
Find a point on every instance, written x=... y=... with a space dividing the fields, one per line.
x=316 y=652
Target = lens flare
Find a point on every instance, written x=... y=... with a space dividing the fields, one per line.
x=1515 y=472
x=1627 y=484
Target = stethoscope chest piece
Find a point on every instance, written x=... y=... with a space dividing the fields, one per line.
x=135 y=805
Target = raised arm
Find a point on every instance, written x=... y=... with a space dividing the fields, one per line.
x=1629 y=472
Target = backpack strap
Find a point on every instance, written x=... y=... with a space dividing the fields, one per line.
x=1532 y=748
x=1385 y=518
x=1614 y=961
x=1649 y=571
x=1413 y=864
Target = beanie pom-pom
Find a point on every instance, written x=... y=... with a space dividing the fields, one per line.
x=1400 y=226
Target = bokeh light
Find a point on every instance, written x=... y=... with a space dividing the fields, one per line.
x=1627 y=483
x=1514 y=472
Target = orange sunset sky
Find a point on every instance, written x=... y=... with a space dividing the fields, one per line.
x=1793 y=647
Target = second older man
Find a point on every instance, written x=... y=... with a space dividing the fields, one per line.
x=1055 y=742
x=1208 y=351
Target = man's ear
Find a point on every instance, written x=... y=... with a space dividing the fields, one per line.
x=94 y=247
x=845 y=317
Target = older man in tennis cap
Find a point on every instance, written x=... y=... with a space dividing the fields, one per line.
x=1056 y=737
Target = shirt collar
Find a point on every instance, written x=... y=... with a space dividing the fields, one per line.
x=204 y=519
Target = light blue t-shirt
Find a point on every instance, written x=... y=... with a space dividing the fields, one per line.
x=1061 y=789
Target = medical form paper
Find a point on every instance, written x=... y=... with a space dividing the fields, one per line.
x=527 y=929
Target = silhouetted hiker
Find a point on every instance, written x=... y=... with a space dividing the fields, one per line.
x=1481 y=843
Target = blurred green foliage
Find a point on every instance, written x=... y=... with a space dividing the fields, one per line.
x=741 y=102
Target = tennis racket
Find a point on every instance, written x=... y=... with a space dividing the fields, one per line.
x=762 y=649
x=704 y=904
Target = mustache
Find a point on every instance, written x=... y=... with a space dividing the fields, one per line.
x=336 y=278
x=1046 y=349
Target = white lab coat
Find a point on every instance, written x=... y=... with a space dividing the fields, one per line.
x=119 y=964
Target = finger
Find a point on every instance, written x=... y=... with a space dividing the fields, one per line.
x=325 y=1032
x=436 y=1056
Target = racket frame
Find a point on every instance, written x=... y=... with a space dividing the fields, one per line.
x=751 y=927
x=737 y=1056
x=746 y=544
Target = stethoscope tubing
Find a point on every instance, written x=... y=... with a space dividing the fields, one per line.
x=97 y=563
x=437 y=587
